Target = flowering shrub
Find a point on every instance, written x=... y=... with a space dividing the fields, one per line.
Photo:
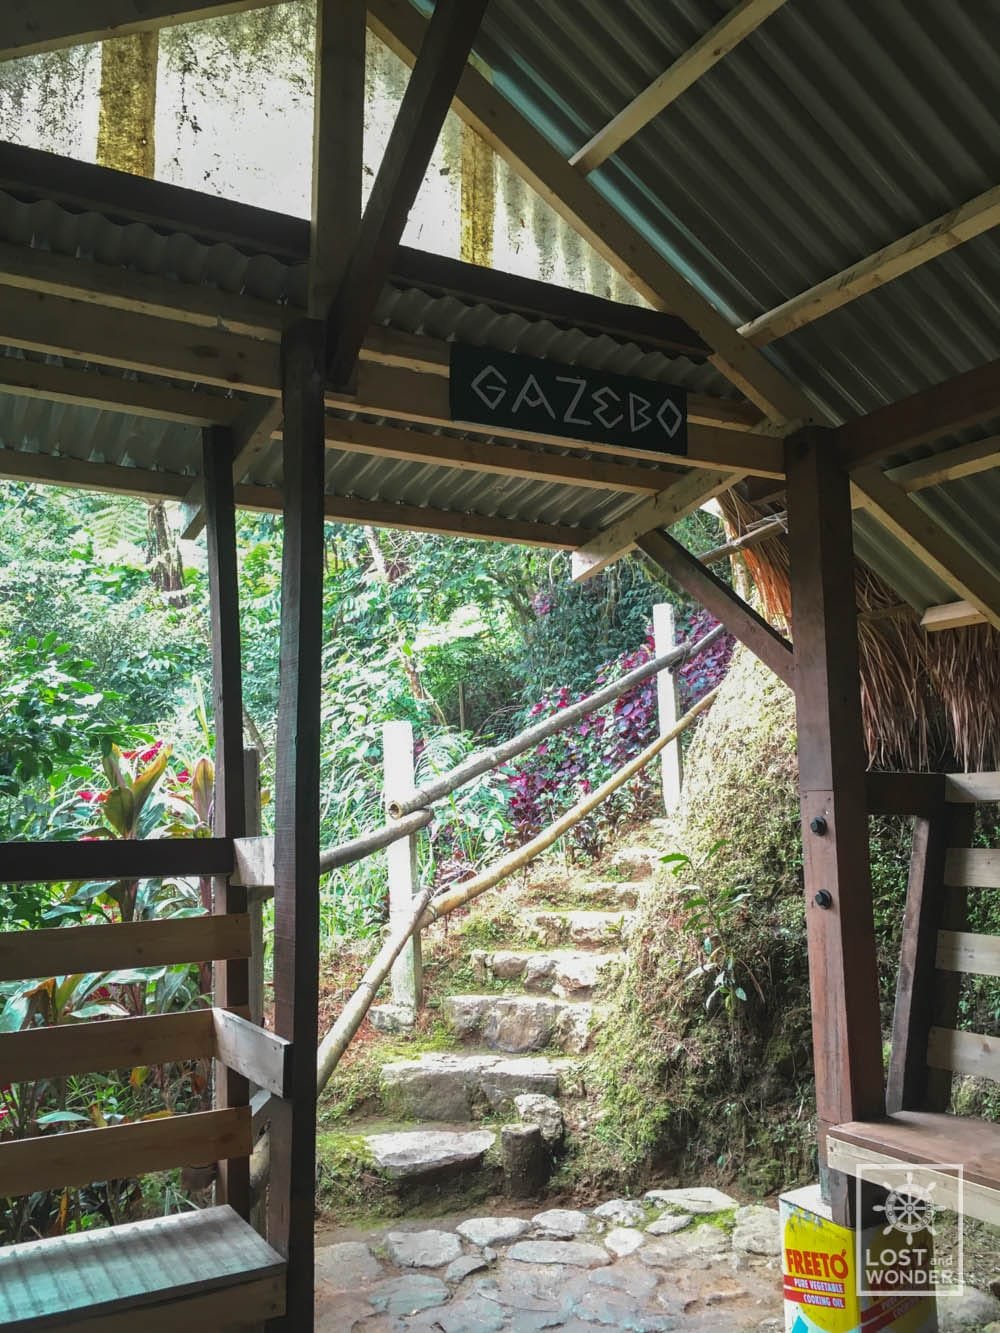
x=567 y=766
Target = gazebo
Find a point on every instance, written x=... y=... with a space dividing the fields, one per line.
x=803 y=195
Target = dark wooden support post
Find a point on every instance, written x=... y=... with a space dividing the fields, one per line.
x=847 y=1038
x=232 y=979
x=291 y=1199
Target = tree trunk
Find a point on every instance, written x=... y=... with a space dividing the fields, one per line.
x=126 y=132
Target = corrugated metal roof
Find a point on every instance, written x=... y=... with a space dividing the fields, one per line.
x=833 y=130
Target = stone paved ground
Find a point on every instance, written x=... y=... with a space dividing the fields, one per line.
x=686 y=1260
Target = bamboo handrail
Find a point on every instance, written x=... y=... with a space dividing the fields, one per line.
x=487 y=759
x=427 y=910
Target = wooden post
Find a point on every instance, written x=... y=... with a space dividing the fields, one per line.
x=667 y=706
x=847 y=1036
x=291 y=1198
x=256 y=896
x=232 y=979
x=397 y=762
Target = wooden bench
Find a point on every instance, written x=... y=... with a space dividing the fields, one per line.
x=927 y=1048
x=193 y=1271
x=204 y=1269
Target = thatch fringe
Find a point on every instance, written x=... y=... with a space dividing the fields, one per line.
x=929 y=701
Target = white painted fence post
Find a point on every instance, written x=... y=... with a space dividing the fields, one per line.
x=667 y=706
x=401 y=857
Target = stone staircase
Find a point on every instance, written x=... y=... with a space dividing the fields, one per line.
x=490 y=1113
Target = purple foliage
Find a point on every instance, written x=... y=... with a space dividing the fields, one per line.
x=564 y=768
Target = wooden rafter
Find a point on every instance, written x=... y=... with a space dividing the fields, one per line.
x=28 y=27
x=964 y=461
x=688 y=493
x=740 y=22
x=529 y=153
x=742 y=621
x=892 y=261
x=926 y=415
x=149 y=485
x=924 y=538
x=444 y=54
x=952 y=615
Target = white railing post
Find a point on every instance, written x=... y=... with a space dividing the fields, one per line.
x=401 y=858
x=667 y=707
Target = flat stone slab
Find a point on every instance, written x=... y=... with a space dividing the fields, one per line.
x=438 y=1086
x=347 y=1266
x=507 y=1079
x=560 y=1223
x=623 y=1241
x=701 y=1242
x=576 y=1253
x=699 y=1199
x=666 y=1226
x=407 y=1294
x=464 y=1266
x=423 y=1152
x=757 y=1231
x=422 y=1249
x=519 y=1023
x=493 y=1230
x=625 y=1212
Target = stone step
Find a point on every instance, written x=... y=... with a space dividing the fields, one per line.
x=409 y=1154
x=447 y=1085
x=597 y=893
x=587 y=930
x=567 y=973
x=521 y=1023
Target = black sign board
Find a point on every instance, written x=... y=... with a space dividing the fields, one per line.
x=530 y=394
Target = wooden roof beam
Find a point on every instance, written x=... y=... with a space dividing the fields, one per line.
x=892 y=261
x=952 y=615
x=686 y=495
x=925 y=539
x=963 y=401
x=742 y=621
x=740 y=22
x=28 y=27
x=964 y=461
x=479 y=104
x=444 y=54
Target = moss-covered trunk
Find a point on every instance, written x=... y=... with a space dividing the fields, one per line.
x=126 y=128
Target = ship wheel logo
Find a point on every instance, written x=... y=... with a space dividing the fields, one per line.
x=908 y=1209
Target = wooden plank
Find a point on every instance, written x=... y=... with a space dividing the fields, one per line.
x=966 y=788
x=99 y=1047
x=964 y=951
x=28 y=27
x=739 y=618
x=929 y=1137
x=952 y=615
x=237 y=1308
x=969 y=1053
x=128 y=1271
x=338 y=132
x=928 y=541
x=743 y=19
x=907 y=1083
x=965 y=400
x=904 y=793
x=65 y=951
x=260 y=1056
x=120 y=1152
x=688 y=493
x=947 y=1136
x=148 y=858
x=231 y=979
x=972 y=868
x=967 y=460
x=527 y=151
x=84 y=475
x=892 y=261
x=443 y=55
x=843 y=973
x=292 y=1191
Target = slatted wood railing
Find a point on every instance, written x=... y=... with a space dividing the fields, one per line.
x=928 y=1047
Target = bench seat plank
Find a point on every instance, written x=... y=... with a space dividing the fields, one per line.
x=928 y=1138
x=49 y=1284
